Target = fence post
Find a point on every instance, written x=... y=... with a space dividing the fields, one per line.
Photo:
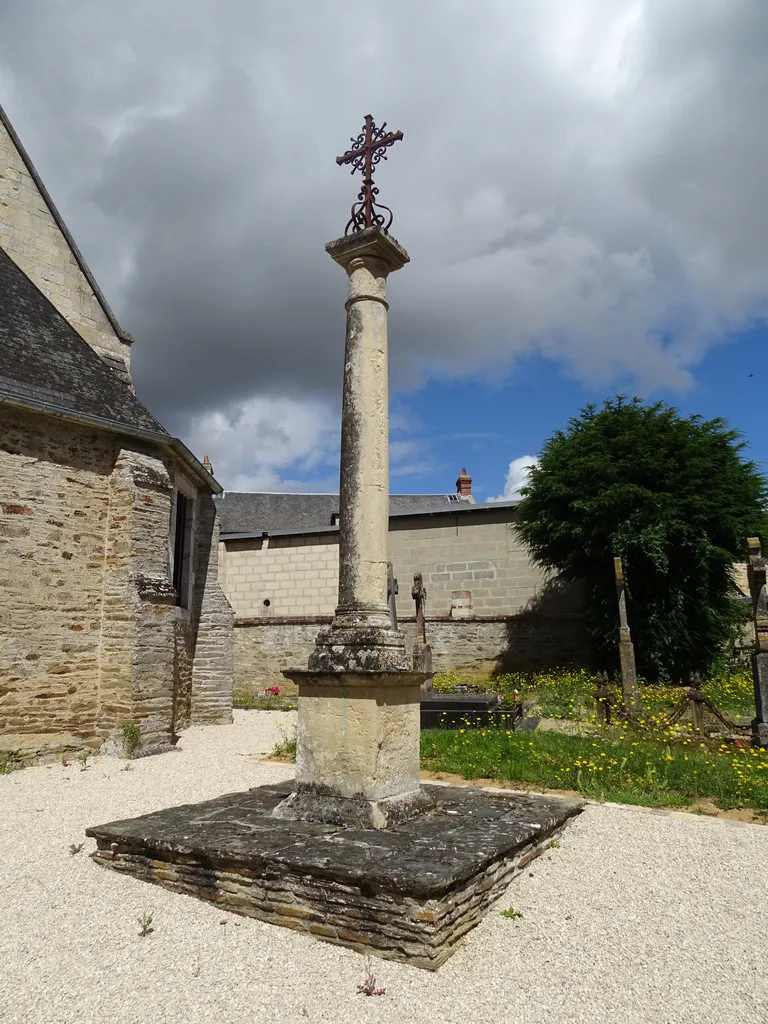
x=697 y=703
x=756 y=572
x=626 y=647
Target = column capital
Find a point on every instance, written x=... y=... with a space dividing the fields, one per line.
x=371 y=243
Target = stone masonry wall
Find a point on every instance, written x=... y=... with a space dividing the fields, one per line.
x=519 y=619
x=477 y=648
x=212 y=676
x=138 y=660
x=478 y=552
x=31 y=237
x=90 y=637
x=54 y=504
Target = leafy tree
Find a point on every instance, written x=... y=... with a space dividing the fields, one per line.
x=676 y=499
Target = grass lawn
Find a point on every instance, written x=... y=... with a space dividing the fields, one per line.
x=570 y=693
x=652 y=763
x=624 y=769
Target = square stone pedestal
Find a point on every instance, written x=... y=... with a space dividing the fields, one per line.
x=357 y=748
x=408 y=893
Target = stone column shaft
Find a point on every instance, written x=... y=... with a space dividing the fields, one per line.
x=364 y=485
x=357 y=742
x=361 y=637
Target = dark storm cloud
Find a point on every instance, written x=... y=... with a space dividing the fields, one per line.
x=582 y=179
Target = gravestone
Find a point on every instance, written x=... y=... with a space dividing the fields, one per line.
x=422 y=652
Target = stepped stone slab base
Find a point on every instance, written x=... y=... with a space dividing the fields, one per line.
x=407 y=893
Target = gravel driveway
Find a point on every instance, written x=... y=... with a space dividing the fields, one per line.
x=639 y=916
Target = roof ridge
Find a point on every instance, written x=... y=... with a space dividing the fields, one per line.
x=80 y=260
x=335 y=494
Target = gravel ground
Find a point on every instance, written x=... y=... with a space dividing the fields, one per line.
x=639 y=916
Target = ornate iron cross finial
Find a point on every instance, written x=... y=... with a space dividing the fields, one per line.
x=367 y=150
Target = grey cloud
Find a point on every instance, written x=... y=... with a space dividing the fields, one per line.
x=583 y=179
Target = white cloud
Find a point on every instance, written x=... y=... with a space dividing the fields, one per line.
x=517 y=477
x=253 y=443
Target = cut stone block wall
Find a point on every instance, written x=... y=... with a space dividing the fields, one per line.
x=296 y=575
x=33 y=240
x=299 y=575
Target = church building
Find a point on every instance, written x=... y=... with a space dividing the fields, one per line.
x=111 y=612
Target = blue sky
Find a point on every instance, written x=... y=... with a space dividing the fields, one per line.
x=483 y=427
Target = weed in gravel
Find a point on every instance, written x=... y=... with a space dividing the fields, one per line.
x=511 y=914
x=128 y=768
x=82 y=757
x=368 y=987
x=131 y=739
x=145 y=923
x=75 y=848
x=10 y=761
x=265 y=700
x=286 y=745
x=555 y=844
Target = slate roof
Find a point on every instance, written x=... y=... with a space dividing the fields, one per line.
x=43 y=360
x=250 y=514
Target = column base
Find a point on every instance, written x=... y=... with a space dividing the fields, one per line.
x=324 y=805
x=357 y=748
x=359 y=649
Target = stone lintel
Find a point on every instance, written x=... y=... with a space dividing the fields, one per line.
x=409 y=894
x=371 y=242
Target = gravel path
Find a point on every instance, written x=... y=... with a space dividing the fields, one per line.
x=639 y=917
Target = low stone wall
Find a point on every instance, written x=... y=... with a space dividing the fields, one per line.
x=477 y=647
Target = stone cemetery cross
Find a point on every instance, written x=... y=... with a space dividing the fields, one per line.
x=422 y=652
x=357 y=744
x=756 y=572
x=392 y=592
x=626 y=647
x=419 y=595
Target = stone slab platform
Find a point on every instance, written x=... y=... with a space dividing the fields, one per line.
x=409 y=892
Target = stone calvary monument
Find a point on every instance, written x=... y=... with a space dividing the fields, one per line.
x=353 y=851
x=357 y=751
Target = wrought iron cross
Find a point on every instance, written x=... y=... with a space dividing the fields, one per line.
x=367 y=150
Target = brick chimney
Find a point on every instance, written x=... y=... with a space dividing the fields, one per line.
x=207 y=464
x=464 y=486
